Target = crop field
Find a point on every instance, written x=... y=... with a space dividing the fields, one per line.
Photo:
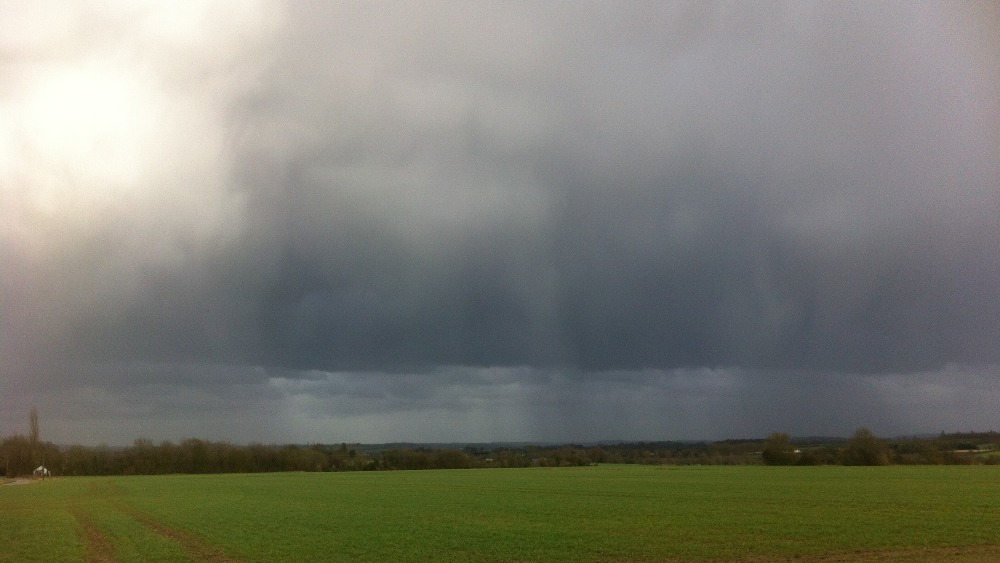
x=603 y=513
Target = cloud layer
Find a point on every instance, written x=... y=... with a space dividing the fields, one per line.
x=593 y=202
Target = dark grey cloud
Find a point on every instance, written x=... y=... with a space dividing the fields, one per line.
x=787 y=198
x=793 y=190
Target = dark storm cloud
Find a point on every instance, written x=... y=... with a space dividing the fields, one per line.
x=597 y=200
x=791 y=187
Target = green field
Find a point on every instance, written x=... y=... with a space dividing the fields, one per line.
x=606 y=513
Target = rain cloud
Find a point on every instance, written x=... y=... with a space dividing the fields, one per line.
x=339 y=221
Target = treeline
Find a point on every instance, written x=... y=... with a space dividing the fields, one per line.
x=20 y=455
x=865 y=448
x=189 y=456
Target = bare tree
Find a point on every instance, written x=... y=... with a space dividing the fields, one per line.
x=778 y=450
x=864 y=448
x=33 y=437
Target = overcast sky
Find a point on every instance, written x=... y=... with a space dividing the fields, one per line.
x=479 y=221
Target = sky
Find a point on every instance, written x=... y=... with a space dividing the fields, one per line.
x=263 y=221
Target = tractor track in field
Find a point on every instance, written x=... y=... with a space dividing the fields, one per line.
x=195 y=547
x=97 y=547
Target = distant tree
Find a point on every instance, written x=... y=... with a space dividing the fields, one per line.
x=141 y=458
x=33 y=420
x=452 y=459
x=778 y=450
x=16 y=451
x=34 y=434
x=864 y=448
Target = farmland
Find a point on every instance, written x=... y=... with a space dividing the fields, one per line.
x=603 y=513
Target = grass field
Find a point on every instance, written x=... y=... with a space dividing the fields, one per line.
x=606 y=513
